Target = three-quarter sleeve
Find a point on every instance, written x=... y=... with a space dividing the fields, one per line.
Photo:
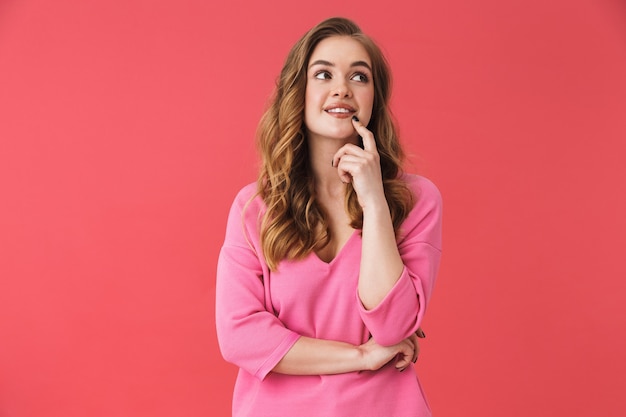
x=401 y=312
x=249 y=334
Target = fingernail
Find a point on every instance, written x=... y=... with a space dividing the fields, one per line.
x=356 y=119
x=332 y=163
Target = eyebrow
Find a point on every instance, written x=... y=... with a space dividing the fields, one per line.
x=330 y=64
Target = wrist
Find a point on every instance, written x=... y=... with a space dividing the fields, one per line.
x=363 y=361
x=376 y=207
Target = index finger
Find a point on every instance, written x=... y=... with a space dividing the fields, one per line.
x=369 y=143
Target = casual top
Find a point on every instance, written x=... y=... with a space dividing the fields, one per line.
x=261 y=313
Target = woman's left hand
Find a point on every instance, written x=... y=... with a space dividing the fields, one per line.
x=361 y=167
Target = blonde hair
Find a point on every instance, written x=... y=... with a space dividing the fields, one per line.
x=294 y=224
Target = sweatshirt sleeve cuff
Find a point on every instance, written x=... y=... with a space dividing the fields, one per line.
x=396 y=317
x=280 y=351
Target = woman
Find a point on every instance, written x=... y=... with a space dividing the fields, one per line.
x=330 y=258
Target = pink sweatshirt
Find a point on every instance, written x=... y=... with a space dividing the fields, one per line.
x=260 y=315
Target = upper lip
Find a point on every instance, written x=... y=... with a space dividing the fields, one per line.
x=339 y=106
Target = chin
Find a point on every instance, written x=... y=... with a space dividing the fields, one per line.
x=340 y=134
x=347 y=135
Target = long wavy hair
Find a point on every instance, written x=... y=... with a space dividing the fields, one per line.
x=294 y=224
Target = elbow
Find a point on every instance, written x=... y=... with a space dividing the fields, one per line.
x=228 y=356
x=229 y=350
x=386 y=338
x=225 y=342
x=396 y=327
x=224 y=348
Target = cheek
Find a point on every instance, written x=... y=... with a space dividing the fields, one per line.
x=313 y=104
x=371 y=99
x=309 y=108
x=312 y=98
x=368 y=104
x=309 y=100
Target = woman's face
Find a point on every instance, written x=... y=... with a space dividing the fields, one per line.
x=339 y=85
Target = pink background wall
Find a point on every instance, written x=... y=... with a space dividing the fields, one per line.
x=126 y=128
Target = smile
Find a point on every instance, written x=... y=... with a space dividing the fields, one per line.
x=340 y=110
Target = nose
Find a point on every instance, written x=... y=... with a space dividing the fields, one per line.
x=341 y=89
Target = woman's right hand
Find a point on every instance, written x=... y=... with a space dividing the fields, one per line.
x=377 y=356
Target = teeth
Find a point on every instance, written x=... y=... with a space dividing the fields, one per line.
x=338 y=110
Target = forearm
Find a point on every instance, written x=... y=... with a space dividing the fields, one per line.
x=309 y=356
x=381 y=265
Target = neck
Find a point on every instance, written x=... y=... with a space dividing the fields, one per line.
x=321 y=152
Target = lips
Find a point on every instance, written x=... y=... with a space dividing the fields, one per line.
x=339 y=110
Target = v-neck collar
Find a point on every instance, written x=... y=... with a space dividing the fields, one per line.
x=340 y=252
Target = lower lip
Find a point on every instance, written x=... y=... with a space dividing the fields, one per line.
x=341 y=115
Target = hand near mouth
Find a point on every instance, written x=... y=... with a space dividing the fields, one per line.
x=361 y=167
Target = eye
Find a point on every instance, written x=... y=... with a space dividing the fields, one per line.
x=322 y=75
x=360 y=77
